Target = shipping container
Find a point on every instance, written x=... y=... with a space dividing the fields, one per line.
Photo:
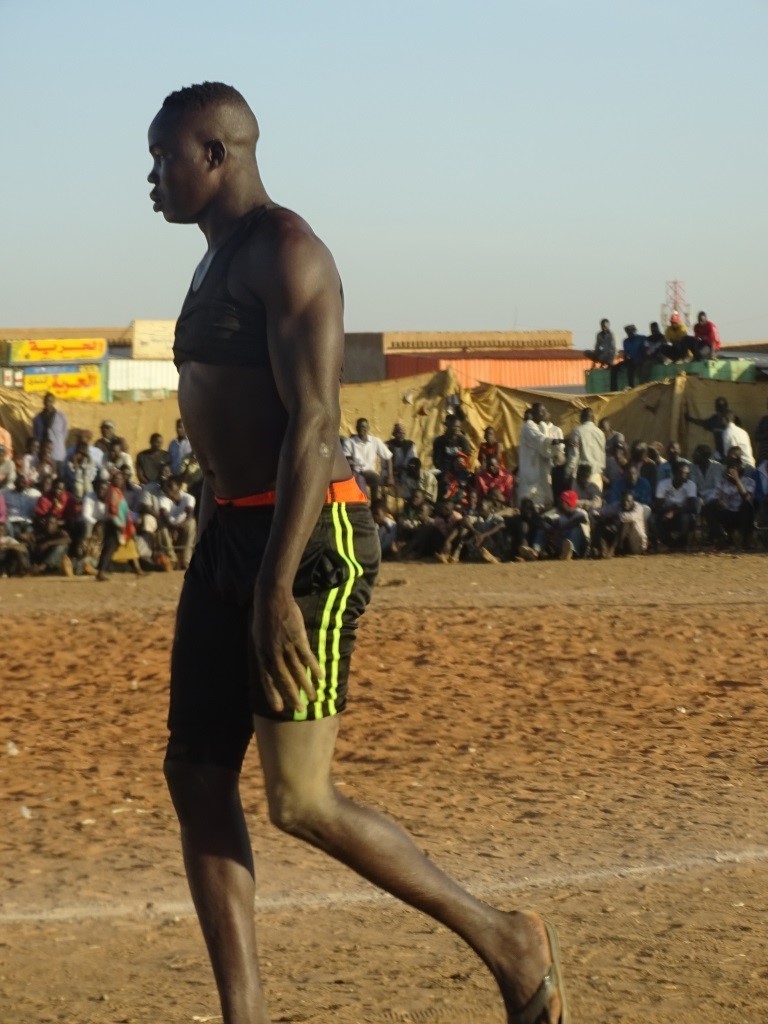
x=541 y=369
x=141 y=378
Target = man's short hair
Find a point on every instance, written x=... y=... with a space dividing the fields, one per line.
x=198 y=97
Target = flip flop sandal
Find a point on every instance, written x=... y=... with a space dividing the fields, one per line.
x=536 y=1009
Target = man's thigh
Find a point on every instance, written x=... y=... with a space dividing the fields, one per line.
x=296 y=757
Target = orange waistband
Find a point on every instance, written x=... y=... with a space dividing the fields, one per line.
x=344 y=490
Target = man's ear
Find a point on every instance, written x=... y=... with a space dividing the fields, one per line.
x=216 y=151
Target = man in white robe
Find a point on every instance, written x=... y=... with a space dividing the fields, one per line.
x=535 y=459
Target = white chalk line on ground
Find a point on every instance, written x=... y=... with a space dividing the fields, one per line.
x=713 y=859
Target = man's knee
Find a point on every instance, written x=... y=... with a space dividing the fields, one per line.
x=305 y=815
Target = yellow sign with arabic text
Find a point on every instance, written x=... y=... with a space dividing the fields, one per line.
x=56 y=350
x=80 y=383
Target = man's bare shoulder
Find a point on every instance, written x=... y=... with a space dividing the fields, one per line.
x=284 y=250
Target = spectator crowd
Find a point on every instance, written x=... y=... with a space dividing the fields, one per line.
x=76 y=509
x=591 y=493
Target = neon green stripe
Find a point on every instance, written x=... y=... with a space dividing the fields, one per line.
x=301 y=716
x=355 y=571
x=322 y=639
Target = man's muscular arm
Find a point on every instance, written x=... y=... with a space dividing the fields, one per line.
x=301 y=294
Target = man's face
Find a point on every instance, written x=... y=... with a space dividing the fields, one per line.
x=582 y=476
x=627 y=502
x=156 y=442
x=604 y=325
x=702 y=318
x=398 y=433
x=680 y=473
x=362 y=429
x=49 y=403
x=673 y=451
x=493 y=466
x=172 y=490
x=181 y=179
x=490 y=435
x=107 y=431
x=180 y=431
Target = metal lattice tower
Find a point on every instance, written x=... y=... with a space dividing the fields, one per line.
x=675 y=302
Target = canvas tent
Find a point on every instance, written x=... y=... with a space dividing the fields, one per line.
x=652 y=412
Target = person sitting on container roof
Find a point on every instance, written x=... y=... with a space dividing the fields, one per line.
x=707 y=338
x=604 y=352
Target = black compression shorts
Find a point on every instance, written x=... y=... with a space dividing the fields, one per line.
x=215 y=685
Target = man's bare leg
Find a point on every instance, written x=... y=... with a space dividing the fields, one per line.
x=219 y=864
x=296 y=760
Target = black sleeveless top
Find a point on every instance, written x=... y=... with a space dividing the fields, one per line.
x=214 y=327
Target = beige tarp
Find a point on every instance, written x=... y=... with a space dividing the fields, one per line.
x=652 y=412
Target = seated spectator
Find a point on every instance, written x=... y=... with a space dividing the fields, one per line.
x=613 y=439
x=681 y=344
x=55 y=500
x=675 y=508
x=439 y=536
x=526 y=531
x=589 y=495
x=80 y=471
x=150 y=461
x=657 y=349
x=451 y=454
x=417 y=512
x=14 y=554
x=633 y=358
x=7 y=468
x=485 y=531
x=50 y=545
x=30 y=460
x=108 y=433
x=732 y=509
x=706 y=338
x=622 y=530
x=387 y=528
x=370 y=457
x=495 y=477
x=735 y=436
x=20 y=502
x=490 y=449
x=706 y=473
x=45 y=465
x=664 y=469
x=604 y=352
x=568 y=532
x=118 y=459
x=84 y=442
x=417 y=478
x=177 y=526
x=630 y=481
x=616 y=463
x=402 y=449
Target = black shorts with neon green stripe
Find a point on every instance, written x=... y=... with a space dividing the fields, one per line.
x=215 y=685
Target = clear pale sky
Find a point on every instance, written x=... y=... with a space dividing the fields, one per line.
x=494 y=165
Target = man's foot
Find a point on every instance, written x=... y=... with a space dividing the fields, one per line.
x=566 y=550
x=488 y=557
x=528 y=553
x=89 y=570
x=66 y=566
x=531 y=981
x=440 y=556
x=101 y=577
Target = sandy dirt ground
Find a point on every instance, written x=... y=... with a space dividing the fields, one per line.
x=587 y=739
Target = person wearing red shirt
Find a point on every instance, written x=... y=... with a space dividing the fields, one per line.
x=707 y=338
x=490 y=448
x=495 y=477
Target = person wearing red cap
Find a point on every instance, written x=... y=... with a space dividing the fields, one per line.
x=569 y=534
x=676 y=334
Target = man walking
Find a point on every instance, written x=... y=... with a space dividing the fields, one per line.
x=288 y=551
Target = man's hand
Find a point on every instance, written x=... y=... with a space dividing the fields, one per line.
x=283 y=652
